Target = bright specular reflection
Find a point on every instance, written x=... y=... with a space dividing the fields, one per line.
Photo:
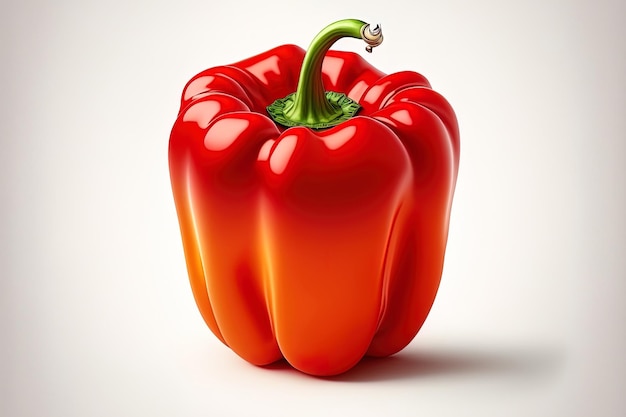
x=198 y=86
x=269 y=65
x=224 y=132
x=202 y=113
x=282 y=153
x=339 y=138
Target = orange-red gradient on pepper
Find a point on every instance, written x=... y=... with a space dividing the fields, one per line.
x=320 y=246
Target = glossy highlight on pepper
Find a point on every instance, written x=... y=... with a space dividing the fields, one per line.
x=317 y=245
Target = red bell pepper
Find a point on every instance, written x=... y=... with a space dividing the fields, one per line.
x=319 y=236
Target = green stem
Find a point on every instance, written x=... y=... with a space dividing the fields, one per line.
x=311 y=105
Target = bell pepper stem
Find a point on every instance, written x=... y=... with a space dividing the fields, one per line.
x=311 y=105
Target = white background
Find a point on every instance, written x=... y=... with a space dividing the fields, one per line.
x=97 y=317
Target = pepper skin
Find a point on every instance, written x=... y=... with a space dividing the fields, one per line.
x=321 y=246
